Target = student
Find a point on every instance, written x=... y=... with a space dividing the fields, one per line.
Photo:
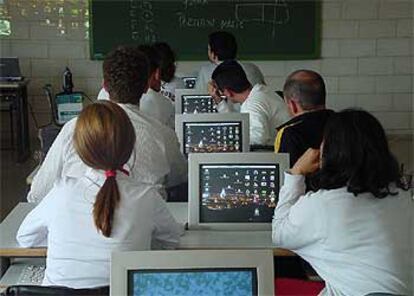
x=85 y=219
x=169 y=82
x=222 y=46
x=355 y=227
x=153 y=103
x=304 y=93
x=157 y=159
x=265 y=109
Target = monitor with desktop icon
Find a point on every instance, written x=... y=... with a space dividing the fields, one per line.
x=237 y=191
x=212 y=133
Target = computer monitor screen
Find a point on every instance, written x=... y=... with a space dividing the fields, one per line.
x=208 y=133
x=193 y=272
x=201 y=137
x=197 y=104
x=68 y=106
x=189 y=282
x=235 y=191
x=189 y=82
x=245 y=193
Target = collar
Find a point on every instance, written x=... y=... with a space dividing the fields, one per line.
x=305 y=116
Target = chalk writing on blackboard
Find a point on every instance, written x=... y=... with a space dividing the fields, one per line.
x=142 y=21
x=276 y=13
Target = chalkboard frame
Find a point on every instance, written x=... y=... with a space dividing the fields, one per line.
x=315 y=54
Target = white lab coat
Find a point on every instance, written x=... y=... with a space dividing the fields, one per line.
x=168 y=88
x=159 y=107
x=358 y=245
x=156 y=158
x=266 y=112
x=253 y=73
x=78 y=256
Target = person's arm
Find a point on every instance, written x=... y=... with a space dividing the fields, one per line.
x=52 y=166
x=259 y=124
x=34 y=229
x=167 y=231
x=297 y=218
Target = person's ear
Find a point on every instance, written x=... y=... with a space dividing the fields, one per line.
x=157 y=74
x=293 y=107
x=104 y=85
x=228 y=93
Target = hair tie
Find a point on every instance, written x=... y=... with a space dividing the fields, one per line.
x=112 y=173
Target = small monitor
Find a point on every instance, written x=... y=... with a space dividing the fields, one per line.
x=68 y=106
x=189 y=82
x=208 y=133
x=189 y=101
x=196 y=272
x=236 y=191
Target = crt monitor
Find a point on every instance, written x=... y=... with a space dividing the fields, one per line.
x=68 y=106
x=189 y=81
x=207 y=133
x=195 y=272
x=190 y=101
x=237 y=191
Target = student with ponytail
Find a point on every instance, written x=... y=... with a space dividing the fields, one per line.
x=82 y=220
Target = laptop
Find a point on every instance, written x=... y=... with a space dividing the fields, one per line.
x=10 y=69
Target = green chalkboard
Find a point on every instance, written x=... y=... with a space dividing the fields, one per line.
x=264 y=29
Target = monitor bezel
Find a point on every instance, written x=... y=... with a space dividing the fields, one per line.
x=123 y=262
x=179 y=93
x=181 y=119
x=195 y=161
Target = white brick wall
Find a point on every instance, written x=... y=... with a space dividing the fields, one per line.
x=367 y=49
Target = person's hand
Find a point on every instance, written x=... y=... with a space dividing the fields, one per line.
x=307 y=163
x=213 y=91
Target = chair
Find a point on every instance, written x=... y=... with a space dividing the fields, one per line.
x=382 y=294
x=58 y=291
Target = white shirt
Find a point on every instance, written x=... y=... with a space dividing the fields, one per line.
x=78 y=256
x=159 y=107
x=253 y=73
x=168 y=88
x=358 y=245
x=266 y=112
x=156 y=158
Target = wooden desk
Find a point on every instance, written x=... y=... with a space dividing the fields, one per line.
x=190 y=240
x=16 y=94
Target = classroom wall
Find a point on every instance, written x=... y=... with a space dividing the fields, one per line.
x=367 y=56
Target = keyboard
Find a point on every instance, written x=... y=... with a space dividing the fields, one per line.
x=32 y=275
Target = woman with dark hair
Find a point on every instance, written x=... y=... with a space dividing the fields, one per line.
x=167 y=70
x=85 y=218
x=355 y=226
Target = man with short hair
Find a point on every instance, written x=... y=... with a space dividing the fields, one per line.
x=266 y=111
x=304 y=93
x=222 y=46
x=156 y=159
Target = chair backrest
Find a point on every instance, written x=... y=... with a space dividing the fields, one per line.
x=56 y=291
x=382 y=294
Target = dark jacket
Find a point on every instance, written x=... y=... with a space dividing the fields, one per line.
x=300 y=133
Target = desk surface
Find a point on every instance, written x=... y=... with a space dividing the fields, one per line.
x=191 y=239
x=14 y=84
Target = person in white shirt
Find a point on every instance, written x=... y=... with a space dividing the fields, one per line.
x=85 y=219
x=156 y=160
x=355 y=226
x=266 y=110
x=222 y=46
x=169 y=82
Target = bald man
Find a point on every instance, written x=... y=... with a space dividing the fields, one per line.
x=305 y=94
